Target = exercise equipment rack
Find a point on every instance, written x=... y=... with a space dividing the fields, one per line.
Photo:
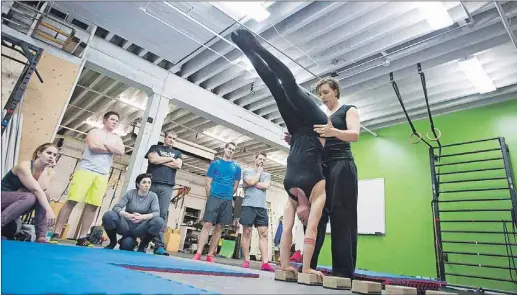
x=33 y=55
x=463 y=200
x=460 y=245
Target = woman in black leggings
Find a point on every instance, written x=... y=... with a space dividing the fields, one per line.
x=304 y=181
x=341 y=175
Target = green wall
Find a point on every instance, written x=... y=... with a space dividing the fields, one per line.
x=407 y=248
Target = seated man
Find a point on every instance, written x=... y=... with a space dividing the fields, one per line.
x=141 y=218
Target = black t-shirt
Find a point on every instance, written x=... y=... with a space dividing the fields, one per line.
x=161 y=173
x=336 y=149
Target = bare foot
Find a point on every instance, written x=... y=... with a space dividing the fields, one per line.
x=289 y=268
x=316 y=272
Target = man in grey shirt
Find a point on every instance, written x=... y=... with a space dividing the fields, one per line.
x=140 y=219
x=254 y=210
x=90 y=181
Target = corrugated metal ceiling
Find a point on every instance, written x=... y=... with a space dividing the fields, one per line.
x=359 y=42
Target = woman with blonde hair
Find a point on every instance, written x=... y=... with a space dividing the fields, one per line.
x=24 y=188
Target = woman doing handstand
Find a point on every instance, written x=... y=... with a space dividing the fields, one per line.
x=304 y=181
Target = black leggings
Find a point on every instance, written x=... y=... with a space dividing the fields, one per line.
x=298 y=109
x=113 y=221
x=341 y=208
x=295 y=104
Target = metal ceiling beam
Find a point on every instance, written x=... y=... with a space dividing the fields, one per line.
x=290 y=25
x=218 y=110
x=484 y=20
x=318 y=34
x=438 y=80
x=477 y=41
x=205 y=57
x=132 y=70
x=506 y=25
x=377 y=22
x=91 y=102
x=472 y=43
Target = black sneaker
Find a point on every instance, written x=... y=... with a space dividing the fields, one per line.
x=54 y=239
x=83 y=242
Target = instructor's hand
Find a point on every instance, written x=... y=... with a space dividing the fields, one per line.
x=326 y=130
x=287 y=138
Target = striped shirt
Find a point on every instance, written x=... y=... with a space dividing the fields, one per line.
x=140 y=204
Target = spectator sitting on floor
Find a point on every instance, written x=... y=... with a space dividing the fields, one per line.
x=140 y=219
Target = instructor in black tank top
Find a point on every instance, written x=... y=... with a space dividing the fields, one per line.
x=340 y=174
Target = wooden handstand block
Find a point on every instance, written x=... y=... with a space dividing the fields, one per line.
x=286 y=276
x=366 y=287
x=402 y=290
x=309 y=279
x=337 y=283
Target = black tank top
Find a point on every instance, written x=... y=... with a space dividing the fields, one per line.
x=336 y=149
x=11 y=182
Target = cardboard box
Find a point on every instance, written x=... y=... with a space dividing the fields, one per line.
x=173 y=243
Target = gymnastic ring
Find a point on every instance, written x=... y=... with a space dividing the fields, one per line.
x=418 y=134
x=437 y=137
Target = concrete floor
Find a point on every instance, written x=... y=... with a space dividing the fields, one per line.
x=226 y=261
x=264 y=284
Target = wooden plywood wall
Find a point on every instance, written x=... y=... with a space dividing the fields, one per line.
x=43 y=103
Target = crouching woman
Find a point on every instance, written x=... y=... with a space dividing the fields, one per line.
x=139 y=219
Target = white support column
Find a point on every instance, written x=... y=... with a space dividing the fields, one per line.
x=149 y=134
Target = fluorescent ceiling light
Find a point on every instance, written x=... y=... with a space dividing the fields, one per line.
x=436 y=14
x=238 y=10
x=476 y=74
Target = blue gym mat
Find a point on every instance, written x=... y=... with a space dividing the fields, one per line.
x=32 y=268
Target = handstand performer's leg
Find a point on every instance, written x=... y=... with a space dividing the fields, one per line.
x=286 y=108
x=299 y=97
x=287 y=236
x=317 y=200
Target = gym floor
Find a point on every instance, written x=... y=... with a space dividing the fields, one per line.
x=264 y=284
x=67 y=269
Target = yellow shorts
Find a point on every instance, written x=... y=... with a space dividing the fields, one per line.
x=88 y=187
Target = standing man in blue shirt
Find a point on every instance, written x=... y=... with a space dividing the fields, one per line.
x=255 y=182
x=222 y=181
x=164 y=161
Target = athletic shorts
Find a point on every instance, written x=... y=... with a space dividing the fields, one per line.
x=88 y=187
x=218 y=211
x=253 y=216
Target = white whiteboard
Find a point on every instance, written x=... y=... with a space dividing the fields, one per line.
x=371 y=215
